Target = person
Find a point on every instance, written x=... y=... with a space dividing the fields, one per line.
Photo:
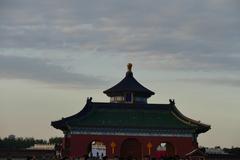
x=101 y=157
x=98 y=155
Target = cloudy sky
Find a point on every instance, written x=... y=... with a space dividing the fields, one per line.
x=55 y=54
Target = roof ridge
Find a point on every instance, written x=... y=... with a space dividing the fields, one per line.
x=153 y=104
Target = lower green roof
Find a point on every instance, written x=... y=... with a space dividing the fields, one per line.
x=129 y=118
x=120 y=115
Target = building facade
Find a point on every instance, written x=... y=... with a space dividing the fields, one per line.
x=128 y=126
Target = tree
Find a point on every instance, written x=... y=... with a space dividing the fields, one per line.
x=55 y=140
x=233 y=150
x=12 y=142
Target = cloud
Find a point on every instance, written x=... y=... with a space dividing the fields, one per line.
x=223 y=81
x=188 y=34
x=12 y=67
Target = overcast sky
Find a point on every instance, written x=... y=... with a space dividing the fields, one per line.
x=54 y=54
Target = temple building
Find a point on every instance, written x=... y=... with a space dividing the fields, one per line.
x=128 y=126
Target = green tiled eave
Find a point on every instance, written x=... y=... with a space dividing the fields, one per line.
x=129 y=118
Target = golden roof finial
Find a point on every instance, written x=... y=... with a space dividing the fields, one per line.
x=129 y=66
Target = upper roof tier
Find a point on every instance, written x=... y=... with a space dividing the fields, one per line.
x=129 y=85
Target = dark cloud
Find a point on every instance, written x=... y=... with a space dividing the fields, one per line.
x=13 y=67
x=188 y=34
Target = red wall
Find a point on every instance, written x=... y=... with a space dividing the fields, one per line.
x=78 y=144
